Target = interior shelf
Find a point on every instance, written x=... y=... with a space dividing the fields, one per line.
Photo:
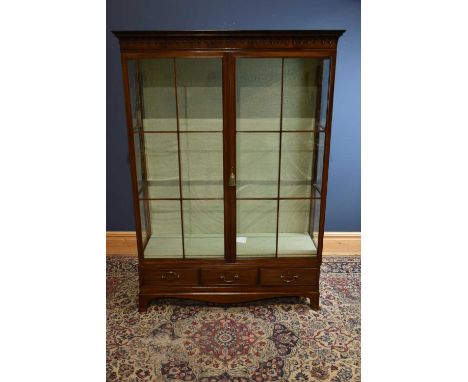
x=197 y=246
x=167 y=125
x=257 y=245
x=264 y=244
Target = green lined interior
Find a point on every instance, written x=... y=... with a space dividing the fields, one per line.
x=262 y=98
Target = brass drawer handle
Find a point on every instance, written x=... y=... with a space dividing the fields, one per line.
x=289 y=278
x=170 y=276
x=234 y=278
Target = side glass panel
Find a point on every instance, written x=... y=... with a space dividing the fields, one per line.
x=133 y=83
x=319 y=151
x=280 y=121
x=144 y=220
x=320 y=138
x=178 y=126
x=138 y=141
x=324 y=92
x=315 y=221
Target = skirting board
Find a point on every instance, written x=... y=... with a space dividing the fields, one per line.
x=123 y=243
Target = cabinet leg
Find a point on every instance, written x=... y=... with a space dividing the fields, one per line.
x=143 y=302
x=314 y=302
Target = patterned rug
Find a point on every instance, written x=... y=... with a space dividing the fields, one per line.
x=272 y=340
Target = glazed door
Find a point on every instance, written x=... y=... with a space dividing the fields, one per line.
x=177 y=121
x=280 y=123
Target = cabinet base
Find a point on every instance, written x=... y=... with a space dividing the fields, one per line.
x=226 y=297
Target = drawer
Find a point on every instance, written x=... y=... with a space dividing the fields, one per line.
x=229 y=276
x=289 y=276
x=181 y=276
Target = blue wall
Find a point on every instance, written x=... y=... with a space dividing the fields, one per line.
x=344 y=190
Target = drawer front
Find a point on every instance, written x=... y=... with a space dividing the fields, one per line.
x=181 y=276
x=289 y=276
x=229 y=277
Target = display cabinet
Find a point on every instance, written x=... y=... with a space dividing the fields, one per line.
x=229 y=141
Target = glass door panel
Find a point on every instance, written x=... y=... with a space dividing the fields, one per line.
x=293 y=229
x=200 y=94
x=258 y=121
x=179 y=155
x=204 y=228
x=279 y=155
x=166 y=230
x=256 y=228
x=162 y=170
x=300 y=88
x=297 y=158
x=200 y=110
x=258 y=94
x=257 y=164
x=201 y=157
x=158 y=94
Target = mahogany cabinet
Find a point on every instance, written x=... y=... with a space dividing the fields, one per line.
x=229 y=141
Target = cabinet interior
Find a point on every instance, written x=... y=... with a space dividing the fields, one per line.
x=178 y=125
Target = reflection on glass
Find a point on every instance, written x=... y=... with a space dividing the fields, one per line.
x=200 y=93
x=319 y=151
x=143 y=221
x=204 y=228
x=159 y=106
x=162 y=165
x=293 y=229
x=133 y=84
x=324 y=97
x=315 y=220
x=137 y=138
x=257 y=164
x=201 y=158
x=256 y=228
x=166 y=227
x=301 y=83
x=258 y=85
x=296 y=164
